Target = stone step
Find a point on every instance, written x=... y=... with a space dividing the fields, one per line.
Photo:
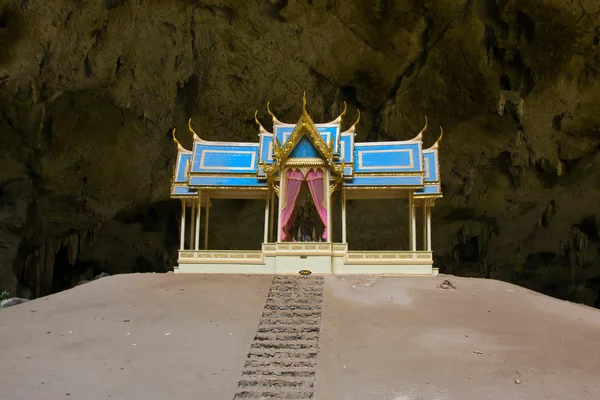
x=277 y=383
x=277 y=337
x=274 y=306
x=296 y=290
x=294 y=354
x=277 y=345
x=279 y=395
x=272 y=372
x=281 y=363
x=294 y=313
x=288 y=321
x=290 y=329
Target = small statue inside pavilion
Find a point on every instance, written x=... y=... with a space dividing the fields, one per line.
x=306 y=224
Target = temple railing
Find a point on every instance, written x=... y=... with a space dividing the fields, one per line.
x=221 y=256
x=297 y=248
x=305 y=249
x=389 y=257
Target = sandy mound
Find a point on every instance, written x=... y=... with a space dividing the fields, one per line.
x=172 y=336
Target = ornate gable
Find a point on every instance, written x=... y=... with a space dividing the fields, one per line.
x=305 y=127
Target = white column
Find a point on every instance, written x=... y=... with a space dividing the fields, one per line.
x=281 y=197
x=182 y=233
x=272 y=212
x=206 y=220
x=343 y=216
x=412 y=222
x=429 y=227
x=266 y=234
x=198 y=219
x=328 y=205
x=192 y=223
x=424 y=224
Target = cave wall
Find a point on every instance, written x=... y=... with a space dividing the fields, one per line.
x=90 y=90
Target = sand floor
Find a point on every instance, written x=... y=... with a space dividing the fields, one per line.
x=169 y=336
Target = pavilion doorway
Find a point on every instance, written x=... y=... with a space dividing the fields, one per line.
x=305 y=225
x=304 y=213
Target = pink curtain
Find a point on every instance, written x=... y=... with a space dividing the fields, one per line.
x=293 y=183
x=317 y=190
x=291 y=220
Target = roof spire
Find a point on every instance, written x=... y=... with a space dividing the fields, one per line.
x=304 y=112
x=345 y=109
x=269 y=109
x=426 y=125
x=357 y=119
x=275 y=120
x=440 y=138
x=194 y=134
x=174 y=138
x=256 y=119
x=261 y=128
x=179 y=146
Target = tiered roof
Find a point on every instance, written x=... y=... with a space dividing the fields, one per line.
x=249 y=167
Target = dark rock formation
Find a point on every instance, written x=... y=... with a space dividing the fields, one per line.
x=90 y=90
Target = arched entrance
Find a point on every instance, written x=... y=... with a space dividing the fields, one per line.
x=304 y=208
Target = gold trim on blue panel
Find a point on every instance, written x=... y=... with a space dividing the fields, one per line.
x=252 y=166
x=382 y=187
x=387 y=174
x=410 y=152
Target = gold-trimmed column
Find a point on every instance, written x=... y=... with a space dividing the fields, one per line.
x=343 y=215
x=429 y=247
x=206 y=220
x=424 y=224
x=328 y=198
x=182 y=233
x=412 y=222
x=282 y=180
x=272 y=214
x=192 y=223
x=267 y=205
x=198 y=221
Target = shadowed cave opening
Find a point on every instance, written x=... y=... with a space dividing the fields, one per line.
x=67 y=275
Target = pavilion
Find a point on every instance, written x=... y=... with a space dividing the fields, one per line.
x=296 y=169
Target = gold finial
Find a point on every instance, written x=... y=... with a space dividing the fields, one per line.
x=275 y=120
x=269 y=110
x=357 y=119
x=192 y=129
x=426 y=125
x=174 y=138
x=304 y=103
x=440 y=138
x=344 y=112
x=179 y=146
x=262 y=128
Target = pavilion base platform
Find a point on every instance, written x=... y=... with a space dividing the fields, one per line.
x=318 y=258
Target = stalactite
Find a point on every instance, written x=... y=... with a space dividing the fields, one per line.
x=38 y=266
x=483 y=232
x=455 y=259
x=520 y=138
x=576 y=248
